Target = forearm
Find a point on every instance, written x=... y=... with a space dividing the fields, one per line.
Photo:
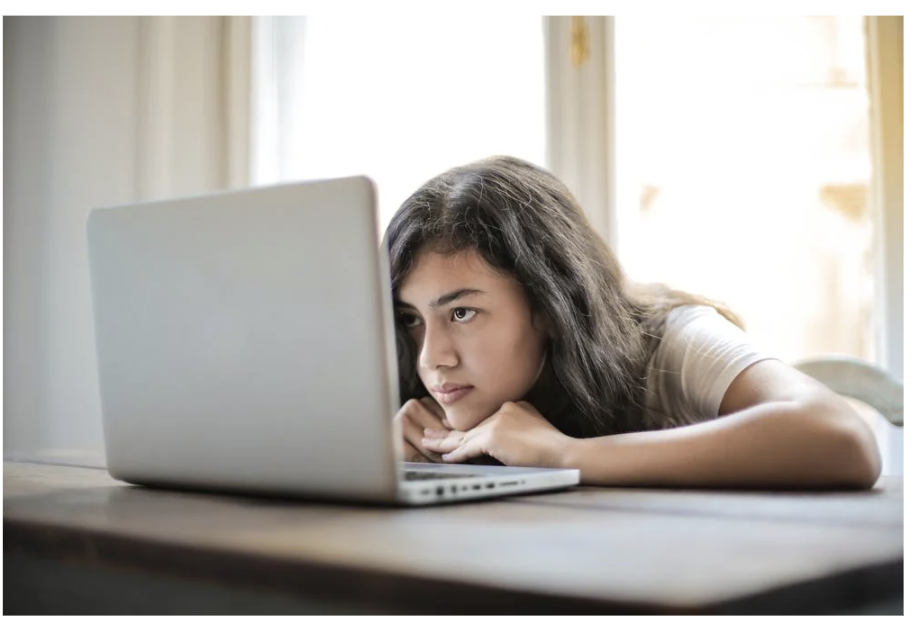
x=778 y=444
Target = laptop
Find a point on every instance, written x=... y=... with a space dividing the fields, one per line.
x=245 y=343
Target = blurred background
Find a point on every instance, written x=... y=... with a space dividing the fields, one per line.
x=755 y=160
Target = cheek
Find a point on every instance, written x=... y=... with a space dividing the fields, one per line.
x=508 y=365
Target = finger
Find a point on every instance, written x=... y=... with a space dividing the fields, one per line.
x=422 y=412
x=411 y=430
x=439 y=433
x=442 y=441
x=471 y=446
x=414 y=416
x=413 y=435
x=434 y=408
x=411 y=454
x=465 y=452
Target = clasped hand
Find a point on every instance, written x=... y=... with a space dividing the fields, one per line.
x=516 y=434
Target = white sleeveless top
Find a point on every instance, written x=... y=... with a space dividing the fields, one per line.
x=697 y=359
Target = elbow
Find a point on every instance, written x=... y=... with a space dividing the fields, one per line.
x=842 y=452
x=864 y=464
x=858 y=461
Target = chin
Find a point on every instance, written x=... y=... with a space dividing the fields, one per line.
x=463 y=420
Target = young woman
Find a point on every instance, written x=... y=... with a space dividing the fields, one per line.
x=521 y=342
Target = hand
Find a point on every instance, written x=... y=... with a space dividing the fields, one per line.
x=516 y=434
x=414 y=416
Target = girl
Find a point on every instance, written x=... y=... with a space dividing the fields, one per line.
x=520 y=341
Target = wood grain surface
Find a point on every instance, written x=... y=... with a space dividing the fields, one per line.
x=587 y=550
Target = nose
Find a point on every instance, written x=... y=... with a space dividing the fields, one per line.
x=437 y=349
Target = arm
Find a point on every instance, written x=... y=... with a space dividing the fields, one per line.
x=778 y=428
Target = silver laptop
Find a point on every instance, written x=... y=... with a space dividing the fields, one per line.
x=245 y=343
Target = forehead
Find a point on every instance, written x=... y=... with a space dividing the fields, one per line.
x=434 y=274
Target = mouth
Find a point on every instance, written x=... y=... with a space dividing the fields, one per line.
x=449 y=394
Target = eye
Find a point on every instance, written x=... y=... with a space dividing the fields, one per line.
x=408 y=320
x=462 y=314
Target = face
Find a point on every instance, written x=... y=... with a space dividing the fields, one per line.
x=478 y=343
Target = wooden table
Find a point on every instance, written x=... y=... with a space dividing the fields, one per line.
x=77 y=541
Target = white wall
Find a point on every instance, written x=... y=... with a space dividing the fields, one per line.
x=70 y=98
x=97 y=112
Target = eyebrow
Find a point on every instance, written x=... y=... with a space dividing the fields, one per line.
x=447 y=298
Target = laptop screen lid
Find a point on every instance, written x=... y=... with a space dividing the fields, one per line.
x=245 y=341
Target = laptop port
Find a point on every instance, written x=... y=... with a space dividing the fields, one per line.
x=439 y=491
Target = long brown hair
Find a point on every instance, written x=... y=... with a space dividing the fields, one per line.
x=524 y=222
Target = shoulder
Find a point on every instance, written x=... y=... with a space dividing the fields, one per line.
x=698 y=356
x=694 y=317
x=696 y=329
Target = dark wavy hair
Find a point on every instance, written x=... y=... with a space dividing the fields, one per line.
x=525 y=223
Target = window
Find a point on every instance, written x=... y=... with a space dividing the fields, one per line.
x=745 y=175
x=400 y=100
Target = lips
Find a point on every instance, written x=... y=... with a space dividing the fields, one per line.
x=449 y=393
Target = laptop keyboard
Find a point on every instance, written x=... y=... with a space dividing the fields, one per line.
x=414 y=475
